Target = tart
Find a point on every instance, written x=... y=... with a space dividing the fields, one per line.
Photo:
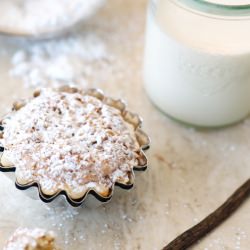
x=31 y=239
x=72 y=142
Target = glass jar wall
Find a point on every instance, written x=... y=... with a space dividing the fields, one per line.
x=197 y=60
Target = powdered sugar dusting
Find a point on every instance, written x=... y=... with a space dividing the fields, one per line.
x=56 y=62
x=70 y=141
x=24 y=238
x=44 y=16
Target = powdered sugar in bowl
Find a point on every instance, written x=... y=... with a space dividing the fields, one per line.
x=44 y=18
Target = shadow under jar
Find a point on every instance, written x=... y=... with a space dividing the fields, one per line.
x=197 y=60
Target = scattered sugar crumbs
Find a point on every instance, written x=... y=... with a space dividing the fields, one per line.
x=52 y=63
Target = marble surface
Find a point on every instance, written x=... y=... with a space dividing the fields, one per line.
x=191 y=171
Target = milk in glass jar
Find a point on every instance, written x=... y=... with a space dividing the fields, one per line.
x=197 y=60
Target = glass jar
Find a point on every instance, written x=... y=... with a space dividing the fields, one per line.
x=197 y=60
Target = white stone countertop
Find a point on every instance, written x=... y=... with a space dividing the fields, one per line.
x=191 y=171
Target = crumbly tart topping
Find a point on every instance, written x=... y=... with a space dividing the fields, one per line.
x=31 y=239
x=72 y=142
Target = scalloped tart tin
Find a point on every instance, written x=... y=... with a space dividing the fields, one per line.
x=91 y=198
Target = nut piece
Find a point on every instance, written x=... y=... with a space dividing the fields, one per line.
x=18 y=105
x=31 y=239
x=37 y=93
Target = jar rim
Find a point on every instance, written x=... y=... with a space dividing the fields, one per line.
x=233 y=5
x=216 y=8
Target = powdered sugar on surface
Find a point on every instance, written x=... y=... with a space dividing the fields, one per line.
x=44 y=16
x=97 y=54
x=58 y=62
x=70 y=141
x=24 y=238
